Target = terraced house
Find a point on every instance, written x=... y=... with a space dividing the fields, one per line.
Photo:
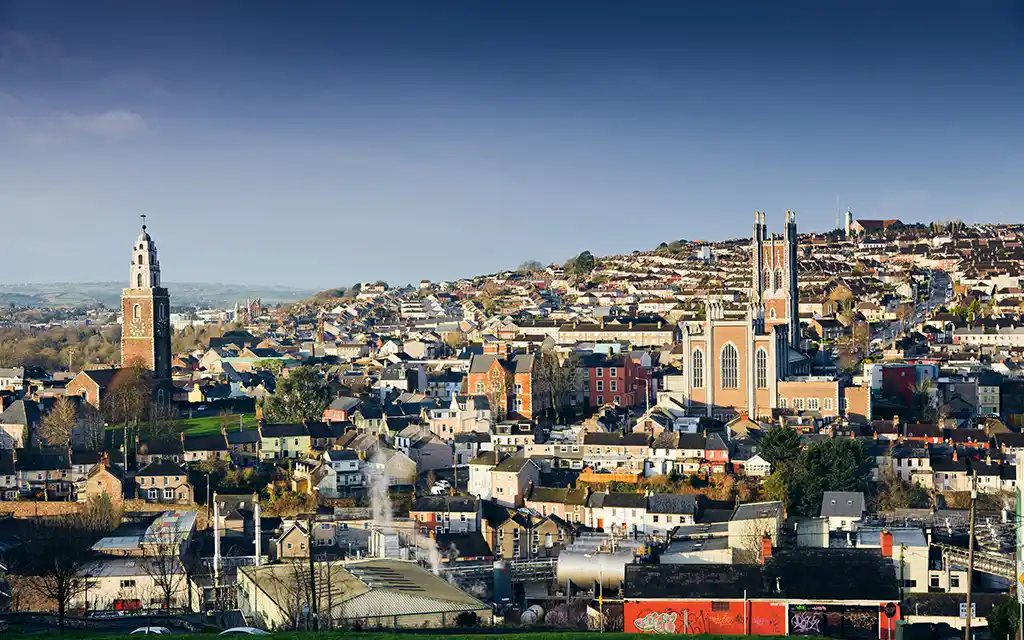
x=280 y=441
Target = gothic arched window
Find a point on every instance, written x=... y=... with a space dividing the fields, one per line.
x=136 y=312
x=730 y=367
x=767 y=279
x=761 y=368
x=778 y=278
x=139 y=281
x=698 y=368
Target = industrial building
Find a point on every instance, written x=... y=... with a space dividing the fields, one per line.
x=382 y=593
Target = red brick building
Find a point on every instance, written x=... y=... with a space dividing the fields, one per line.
x=145 y=305
x=508 y=380
x=615 y=379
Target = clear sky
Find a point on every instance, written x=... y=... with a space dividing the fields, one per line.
x=316 y=144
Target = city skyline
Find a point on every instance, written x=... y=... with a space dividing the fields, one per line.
x=354 y=143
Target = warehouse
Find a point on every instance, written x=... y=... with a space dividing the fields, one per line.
x=363 y=593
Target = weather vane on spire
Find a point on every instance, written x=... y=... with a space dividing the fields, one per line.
x=143 y=216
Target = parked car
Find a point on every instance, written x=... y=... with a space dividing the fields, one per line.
x=244 y=631
x=157 y=631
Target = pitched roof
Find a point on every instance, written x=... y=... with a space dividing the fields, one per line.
x=161 y=468
x=283 y=430
x=24 y=412
x=438 y=504
x=842 y=504
x=616 y=439
x=672 y=503
x=213 y=442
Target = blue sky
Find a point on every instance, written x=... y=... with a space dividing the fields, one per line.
x=316 y=144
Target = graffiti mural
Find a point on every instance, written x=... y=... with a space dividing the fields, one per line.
x=805 y=623
x=657 y=623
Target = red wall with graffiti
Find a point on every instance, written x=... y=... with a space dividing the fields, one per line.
x=697 y=617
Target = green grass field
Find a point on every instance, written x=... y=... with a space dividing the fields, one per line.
x=209 y=425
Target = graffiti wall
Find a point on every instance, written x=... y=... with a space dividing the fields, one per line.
x=763 y=618
x=705 y=617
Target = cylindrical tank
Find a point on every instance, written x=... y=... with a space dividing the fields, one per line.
x=533 y=615
x=587 y=568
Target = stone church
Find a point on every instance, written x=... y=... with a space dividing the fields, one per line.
x=751 y=365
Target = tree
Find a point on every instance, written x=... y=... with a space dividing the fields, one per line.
x=497 y=389
x=129 y=395
x=163 y=566
x=91 y=427
x=1004 y=618
x=836 y=464
x=580 y=265
x=557 y=376
x=163 y=421
x=842 y=296
x=780 y=446
x=301 y=395
x=530 y=266
x=99 y=515
x=57 y=425
x=56 y=562
x=891 y=492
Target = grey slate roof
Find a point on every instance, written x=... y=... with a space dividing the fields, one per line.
x=842 y=504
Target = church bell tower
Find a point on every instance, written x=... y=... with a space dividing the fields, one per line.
x=145 y=305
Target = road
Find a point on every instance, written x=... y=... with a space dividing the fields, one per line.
x=938 y=295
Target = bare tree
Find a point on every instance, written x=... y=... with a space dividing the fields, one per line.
x=557 y=376
x=498 y=388
x=129 y=395
x=56 y=562
x=163 y=420
x=91 y=427
x=163 y=566
x=57 y=425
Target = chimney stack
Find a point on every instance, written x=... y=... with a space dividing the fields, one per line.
x=766 y=547
x=886 y=540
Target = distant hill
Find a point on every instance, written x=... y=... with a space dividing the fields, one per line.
x=92 y=294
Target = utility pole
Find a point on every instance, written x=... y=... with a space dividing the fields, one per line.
x=970 y=555
x=313 y=604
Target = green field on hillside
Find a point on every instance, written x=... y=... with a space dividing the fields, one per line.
x=209 y=425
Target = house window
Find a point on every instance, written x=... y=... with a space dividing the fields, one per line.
x=598 y=372
x=154 y=494
x=933 y=582
x=813 y=404
x=600 y=385
x=614 y=386
x=798 y=404
x=612 y=371
x=761 y=362
x=600 y=400
x=698 y=369
x=954 y=582
x=479 y=388
x=730 y=367
x=168 y=494
x=127 y=584
x=828 y=404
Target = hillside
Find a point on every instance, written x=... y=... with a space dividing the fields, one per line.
x=92 y=294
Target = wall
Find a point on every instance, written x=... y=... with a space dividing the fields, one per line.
x=704 y=617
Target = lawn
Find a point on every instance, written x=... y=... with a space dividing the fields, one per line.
x=209 y=425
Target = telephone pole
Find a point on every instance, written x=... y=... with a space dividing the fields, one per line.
x=970 y=556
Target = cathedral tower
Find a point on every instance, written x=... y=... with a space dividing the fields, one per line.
x=145 y=305
x=774 y=272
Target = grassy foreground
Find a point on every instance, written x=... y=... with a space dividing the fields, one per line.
x=409 y=635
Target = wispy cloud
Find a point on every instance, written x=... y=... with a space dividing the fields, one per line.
x=112 y=124
x=60 y=129
x=21 y=48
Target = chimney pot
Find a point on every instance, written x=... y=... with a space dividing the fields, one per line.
x=886 y=543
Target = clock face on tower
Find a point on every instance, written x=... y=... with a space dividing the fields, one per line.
x=136 y=329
